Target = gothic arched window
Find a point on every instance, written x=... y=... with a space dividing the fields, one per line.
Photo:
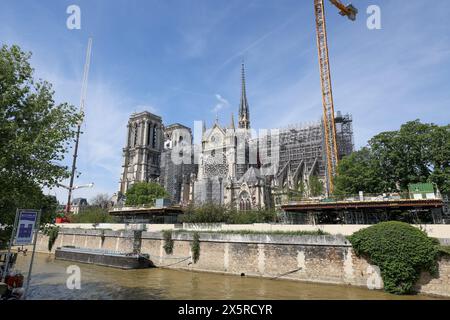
x=149 y=133
x=154 y=137
x=244 y=201
x=241 y=205
x=135 y=134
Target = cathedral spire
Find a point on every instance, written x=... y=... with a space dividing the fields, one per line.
x=244 y=114
x=232 y=122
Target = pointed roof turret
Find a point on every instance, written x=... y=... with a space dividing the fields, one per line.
x=244 y=113
x=232 y=122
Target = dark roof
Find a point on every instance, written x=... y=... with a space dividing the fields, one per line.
x=252 y=176
x=79 y=201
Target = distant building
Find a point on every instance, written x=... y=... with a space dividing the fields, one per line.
x=77 y=205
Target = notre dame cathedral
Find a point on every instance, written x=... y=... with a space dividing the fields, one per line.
x=231 y=165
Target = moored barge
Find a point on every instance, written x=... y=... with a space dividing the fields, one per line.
x=104 y=257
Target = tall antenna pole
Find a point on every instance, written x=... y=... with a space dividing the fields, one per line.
x=82 y=100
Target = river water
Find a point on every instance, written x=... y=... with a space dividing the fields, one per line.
x=49 y=282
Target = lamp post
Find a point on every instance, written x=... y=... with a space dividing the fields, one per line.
x=69 y=198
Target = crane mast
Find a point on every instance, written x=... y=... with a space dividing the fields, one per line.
x=82 y=101
x=327 y=92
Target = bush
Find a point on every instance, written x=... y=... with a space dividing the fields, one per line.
x=444 y=250
x=207 y=213
x=195 y=247
x=253 y=216
x=92 y=215
x=52 y=233
x=400 y=250
x=168 y=241
x=212 y=213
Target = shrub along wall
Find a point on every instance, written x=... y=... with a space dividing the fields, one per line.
x=401 y=251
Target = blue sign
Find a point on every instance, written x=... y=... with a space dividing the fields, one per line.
x=26 y=225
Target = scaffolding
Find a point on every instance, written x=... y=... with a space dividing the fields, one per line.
x=301 y=147
x=344 y=134
x=176 y=177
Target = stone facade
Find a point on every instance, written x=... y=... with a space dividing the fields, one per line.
x=320 y=259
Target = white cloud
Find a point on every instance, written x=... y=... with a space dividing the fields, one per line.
x=103 y=131
x=222 y=103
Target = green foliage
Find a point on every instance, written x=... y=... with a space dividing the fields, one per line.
x=444 y=250
x=252 y=216
x=145 y=193
x=92 y=214
x=400 y=250
x=417 y=152
x=103 y=237
x=168 y=241
x=358 y=172
x=301 y=189
x=207 y=213
x=195 y=247
x=281 y=233
x=34 y=198
x=34 y=136
x=52 y=232
x=212 y=213
x=315 y=186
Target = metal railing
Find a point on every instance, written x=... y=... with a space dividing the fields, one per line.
x=382 y=197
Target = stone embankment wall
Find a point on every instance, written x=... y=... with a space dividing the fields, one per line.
x=321 y=259
x=441 y=231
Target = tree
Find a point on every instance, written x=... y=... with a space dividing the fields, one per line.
x=417 y=152
x=35 y=134
x=144 y=193
x=440 y=162
x=358 y=172
x=404 y=156
x=92 y=214
x=101 y=200
x=315 y=186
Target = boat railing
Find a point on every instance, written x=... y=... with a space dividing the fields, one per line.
x=95 y=251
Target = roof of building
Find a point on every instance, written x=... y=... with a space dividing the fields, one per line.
x=79 y=201
x=252 y=175
x=144 y=114
x=421 y=188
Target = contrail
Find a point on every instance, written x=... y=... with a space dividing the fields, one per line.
x=256 y=42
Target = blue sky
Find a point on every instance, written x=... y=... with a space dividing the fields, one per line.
x=181 y=60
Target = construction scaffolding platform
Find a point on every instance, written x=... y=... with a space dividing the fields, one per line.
x=146 y=215
x=365 y=211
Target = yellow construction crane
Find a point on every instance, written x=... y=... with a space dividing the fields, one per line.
x=325 y=79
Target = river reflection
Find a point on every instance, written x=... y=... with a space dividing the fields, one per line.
x=49 y=282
